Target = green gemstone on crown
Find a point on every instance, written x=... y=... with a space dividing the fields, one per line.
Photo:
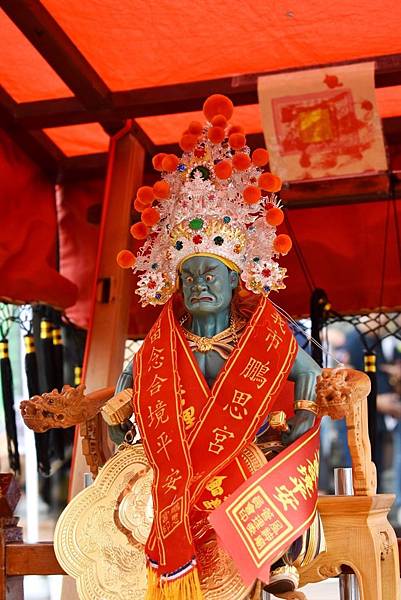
x=196 y=224
x=204 y=172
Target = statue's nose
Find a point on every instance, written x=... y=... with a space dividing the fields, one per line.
x=200 y=285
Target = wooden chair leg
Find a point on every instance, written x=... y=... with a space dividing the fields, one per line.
x=369 y=582
x=390 y=568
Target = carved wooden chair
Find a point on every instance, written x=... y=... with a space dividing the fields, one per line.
x=358 y=534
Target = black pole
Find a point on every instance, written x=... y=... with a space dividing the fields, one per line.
x=8 y=403
x=31 y=370
x=319 y=305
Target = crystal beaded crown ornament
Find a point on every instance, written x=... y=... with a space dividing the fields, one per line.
x=213 y=201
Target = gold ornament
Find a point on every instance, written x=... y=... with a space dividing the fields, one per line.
x=100 y=536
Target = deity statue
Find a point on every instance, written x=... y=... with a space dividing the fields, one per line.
x=201 y=391
x=213 y=326
x=211 y=368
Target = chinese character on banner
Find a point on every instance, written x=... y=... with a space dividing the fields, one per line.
x=322 y=123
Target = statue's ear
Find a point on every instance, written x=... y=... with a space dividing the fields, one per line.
x=234 y=279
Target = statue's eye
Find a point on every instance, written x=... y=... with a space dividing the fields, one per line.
x=209 y=277
x=189 y=279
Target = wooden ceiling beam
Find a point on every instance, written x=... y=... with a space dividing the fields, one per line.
x=50 y=40
x=36 y=144
x=171 y=99
x=46 y=35
x=89 y=166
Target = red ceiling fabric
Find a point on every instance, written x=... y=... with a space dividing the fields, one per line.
x=90 y=138
x=24 y=73
x=167 y=129
x=351 y=251
x=75 y=140
x=132 y=44
x=28 y=233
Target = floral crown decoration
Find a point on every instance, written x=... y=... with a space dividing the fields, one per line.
x=213 y=201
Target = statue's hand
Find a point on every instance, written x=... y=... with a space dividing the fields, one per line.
x=301 y=422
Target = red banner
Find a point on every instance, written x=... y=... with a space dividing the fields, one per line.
x=269 y=511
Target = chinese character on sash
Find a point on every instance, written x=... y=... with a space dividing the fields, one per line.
x=237 y=406
x=255 y=370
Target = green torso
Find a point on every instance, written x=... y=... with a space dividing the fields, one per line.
x=210 y=363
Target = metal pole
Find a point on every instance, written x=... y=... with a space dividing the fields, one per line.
x=88 y=479
x=343 y=486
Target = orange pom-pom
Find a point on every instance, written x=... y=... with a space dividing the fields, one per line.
x=223 y=169
x=188 y=142
x=282 y=244
x=237 y=140
x=139 y=231
x=140 y=206
x=251 y=194
x=216 y=135
x=236 y=129
x=274 y=216
x=161 y=189
x=125 y=259
x=219 y=121
x=150 y=216
x=195 y=127
x=277 y=184
x=217 y=104
x=260 y=157
x=145 y=194
x=241 y=161
x=157 y=161
x=269 y=182
x=170 y=163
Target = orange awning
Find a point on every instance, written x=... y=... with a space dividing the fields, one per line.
x=133 y=45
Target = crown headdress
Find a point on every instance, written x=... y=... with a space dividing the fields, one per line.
x=215 y=200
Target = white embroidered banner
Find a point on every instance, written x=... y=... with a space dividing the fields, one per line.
x=321 y=123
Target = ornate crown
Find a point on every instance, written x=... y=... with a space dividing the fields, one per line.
x=213 y=201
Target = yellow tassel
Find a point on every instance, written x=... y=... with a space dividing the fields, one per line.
x=186 y=587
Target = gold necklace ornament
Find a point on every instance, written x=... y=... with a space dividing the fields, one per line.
x=100 y=536
x=223 y=343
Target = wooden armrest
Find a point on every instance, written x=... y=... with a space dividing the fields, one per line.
x=342 y=393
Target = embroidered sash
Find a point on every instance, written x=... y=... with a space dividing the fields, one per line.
x=192 y=434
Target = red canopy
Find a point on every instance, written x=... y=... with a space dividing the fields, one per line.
x=73 y=72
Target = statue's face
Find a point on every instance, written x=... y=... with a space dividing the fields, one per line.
x=207 y=285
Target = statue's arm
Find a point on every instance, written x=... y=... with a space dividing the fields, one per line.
x=125 y=381
x=304 y=374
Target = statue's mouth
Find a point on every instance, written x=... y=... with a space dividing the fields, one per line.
x=201 y=299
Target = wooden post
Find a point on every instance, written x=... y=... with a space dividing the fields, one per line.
x=111 y=297
x=110 y=307
x=11 y=588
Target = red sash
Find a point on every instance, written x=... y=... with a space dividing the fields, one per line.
x=192 y=434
